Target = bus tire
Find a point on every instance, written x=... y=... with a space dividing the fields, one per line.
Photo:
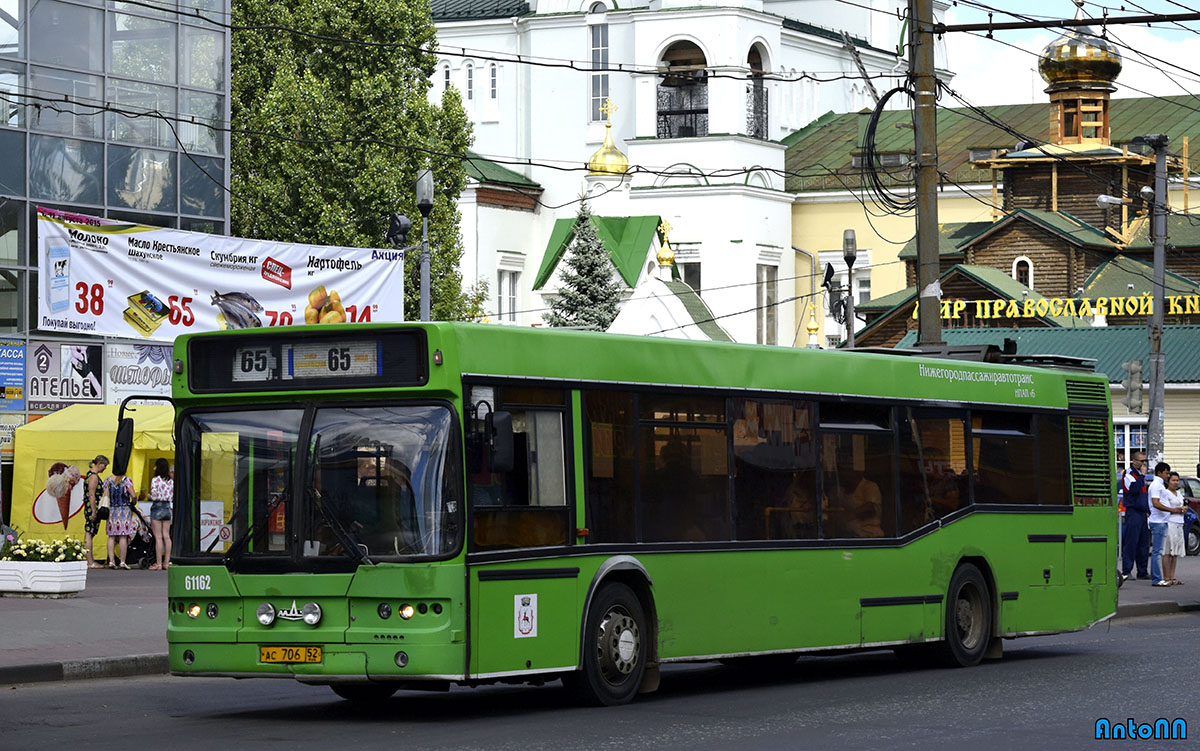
x=968 y=618
x=614 y=648
x=363 y=693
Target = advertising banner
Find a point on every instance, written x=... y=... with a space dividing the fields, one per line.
x=62 y=373
x=116 y=279
x=132 y=368
x=12 y=375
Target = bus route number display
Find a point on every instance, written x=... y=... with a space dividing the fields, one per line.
x=255 y=364
x=306 y=360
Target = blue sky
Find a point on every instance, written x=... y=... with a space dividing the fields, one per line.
x=988 y=72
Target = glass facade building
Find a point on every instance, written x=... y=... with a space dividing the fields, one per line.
x=113 y=109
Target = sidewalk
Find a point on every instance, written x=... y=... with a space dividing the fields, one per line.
x=117 y=625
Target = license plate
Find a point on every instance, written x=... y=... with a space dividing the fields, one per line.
x=289 y=654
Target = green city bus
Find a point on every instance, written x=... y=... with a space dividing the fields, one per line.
x=375 y=507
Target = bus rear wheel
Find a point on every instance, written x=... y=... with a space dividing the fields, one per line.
x=614 y=648
x=363 y=693
x=968 y=618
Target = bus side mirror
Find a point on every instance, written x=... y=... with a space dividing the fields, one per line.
x=498 y=428
x=123 y=447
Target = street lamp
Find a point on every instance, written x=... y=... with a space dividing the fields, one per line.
x=425 y=205
x=850 y=254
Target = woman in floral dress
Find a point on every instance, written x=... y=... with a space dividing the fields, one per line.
x=120 y=524
x=91 y=506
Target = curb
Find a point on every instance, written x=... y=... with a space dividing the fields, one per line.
x=1164 y=607
x=97 y=667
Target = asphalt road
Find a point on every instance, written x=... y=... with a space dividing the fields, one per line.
x=1047 y=693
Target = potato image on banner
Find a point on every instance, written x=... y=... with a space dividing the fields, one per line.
x=324 y=307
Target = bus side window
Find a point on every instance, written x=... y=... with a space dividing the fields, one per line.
x=527 y=506
x=1003 y=448
x=611 y=468
x=775 y=478
x=933 y=465
x=1054 y=466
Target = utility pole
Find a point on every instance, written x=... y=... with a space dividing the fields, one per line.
x=921 y=70
x=1158 y=228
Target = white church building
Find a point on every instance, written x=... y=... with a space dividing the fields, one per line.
x=701 y=92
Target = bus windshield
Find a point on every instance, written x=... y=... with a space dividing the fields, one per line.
x=374 y=483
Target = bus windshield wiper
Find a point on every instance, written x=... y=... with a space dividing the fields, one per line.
x=339 y=531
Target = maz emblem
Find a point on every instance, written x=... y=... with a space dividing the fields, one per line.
x=291 y=614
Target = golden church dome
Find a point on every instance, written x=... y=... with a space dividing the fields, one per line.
x=1080 y=59
x=666 y=256
x=608 y=160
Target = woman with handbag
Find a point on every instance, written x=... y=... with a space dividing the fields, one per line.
x=162 y=495
x=93 y=514
x=120 y=526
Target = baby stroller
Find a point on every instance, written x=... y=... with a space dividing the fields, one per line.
x=140 y=552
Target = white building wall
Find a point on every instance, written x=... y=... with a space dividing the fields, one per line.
x=733 y=222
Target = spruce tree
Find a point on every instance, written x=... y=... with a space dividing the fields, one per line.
x=590 y=295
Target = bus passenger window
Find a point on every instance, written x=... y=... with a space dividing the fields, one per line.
x=775 y=478
x=684 y=484
x=933 y=465
x=1005 y=460
x=859 y=494
x=611 y=470
x=1054 y=468
x=526 y=507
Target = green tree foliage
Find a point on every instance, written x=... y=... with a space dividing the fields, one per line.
x=590 y=294
x=328 y=136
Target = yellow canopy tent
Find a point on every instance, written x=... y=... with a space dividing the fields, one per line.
x=75 y=435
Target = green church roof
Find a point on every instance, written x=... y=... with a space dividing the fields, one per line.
x=700 y=313
x=486 y=171
x=819 y=155
x=1122 y=276
x=473 y=10
x=626 y=238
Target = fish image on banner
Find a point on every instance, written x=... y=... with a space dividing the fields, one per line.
x=238 y=310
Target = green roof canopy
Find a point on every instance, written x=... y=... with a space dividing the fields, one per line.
x=1109 y=346
x=626 y=238
x=1066 y=226
x=1122 y=276
x=486 y=171
x=700 y=313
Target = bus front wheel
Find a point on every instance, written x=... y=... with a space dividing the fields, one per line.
x=968 y=618
x=614 y=648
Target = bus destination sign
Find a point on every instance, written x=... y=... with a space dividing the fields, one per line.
x=258 y=363
x=323 y=361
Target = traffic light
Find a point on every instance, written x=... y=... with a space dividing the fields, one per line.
x=1133 y=385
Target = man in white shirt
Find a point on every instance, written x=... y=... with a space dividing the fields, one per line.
x=1160 y=513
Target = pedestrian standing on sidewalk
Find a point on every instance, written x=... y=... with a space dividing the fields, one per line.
x=92 y=488
x=1158 y=521
x=162 y=495
x=120 y=525
x=1173 y=547
x=1135 y=536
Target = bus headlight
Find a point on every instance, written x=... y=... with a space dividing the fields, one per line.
x=211 y=610
x=384 y=610
x=266 y=614
x=311 y=613
x=193 y=610
x=405 y=611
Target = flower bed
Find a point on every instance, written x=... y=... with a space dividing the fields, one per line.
x=51 y=568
